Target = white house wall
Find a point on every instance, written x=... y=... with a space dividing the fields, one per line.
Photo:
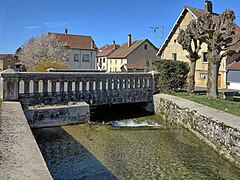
x=81 y=64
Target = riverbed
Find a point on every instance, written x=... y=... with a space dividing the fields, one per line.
x=101 y=151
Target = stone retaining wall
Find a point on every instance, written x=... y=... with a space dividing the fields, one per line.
x=219 y=129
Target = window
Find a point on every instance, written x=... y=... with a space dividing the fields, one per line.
x=103 y=67
x=110 y=69
x=110 y=61
x=115 y=61
x=76 y=57
x=147 y=63
x=121 y=61
x=103 y=60
x=85 y=58
x=174 y=56
x=174 y=40
x=204 y=57
x=203 y=76
x=145 y=46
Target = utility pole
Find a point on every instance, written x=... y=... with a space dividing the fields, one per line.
x=155 y=28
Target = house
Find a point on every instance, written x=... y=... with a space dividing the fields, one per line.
x=82 y=50
x=233 y=74
x=172 y=50
x=7 y=61
x=103 y=54
x=133 y=52
x=132 y=68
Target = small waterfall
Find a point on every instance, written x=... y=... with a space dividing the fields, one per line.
x=132 y=123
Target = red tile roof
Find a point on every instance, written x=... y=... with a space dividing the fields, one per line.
x=234 y=65
x=76 y=41
x=123 y=51
x=107 y=50
x=6 y=56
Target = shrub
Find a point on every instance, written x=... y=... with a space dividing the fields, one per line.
x=46 y=64
x=172 y=75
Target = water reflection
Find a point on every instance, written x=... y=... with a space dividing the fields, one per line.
x=66 y=158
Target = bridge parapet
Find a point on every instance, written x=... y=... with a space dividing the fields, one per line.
x=33 y=88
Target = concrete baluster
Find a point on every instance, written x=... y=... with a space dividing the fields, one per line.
x=26 y=88
x=45 y=87
x=141 y=83
x=61 y=86
x=131 y=83
x=54 y=86
x=120 y=83
x=110 y=83
x=103 y=84
x=35 y=87
x=84 y=85
x=91 y=85
x=98 y=84
x=115 y=86
x=126 y=83
x=69 y=86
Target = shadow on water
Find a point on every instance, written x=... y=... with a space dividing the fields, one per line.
x=117 y=112
x=66 y=157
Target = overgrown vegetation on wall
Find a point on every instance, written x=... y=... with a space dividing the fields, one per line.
x=172 y=75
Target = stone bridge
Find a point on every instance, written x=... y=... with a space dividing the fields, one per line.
x=32 y=88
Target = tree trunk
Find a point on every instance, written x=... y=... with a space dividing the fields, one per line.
x=191 y=78
x=212 y=84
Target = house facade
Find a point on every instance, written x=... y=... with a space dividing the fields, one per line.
x=172 y=50
x=233 y=74
x=7 y=61
x=82 y=50
x=133 y=52
x=103 y=54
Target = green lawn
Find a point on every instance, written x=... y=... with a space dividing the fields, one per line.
x=221 y=104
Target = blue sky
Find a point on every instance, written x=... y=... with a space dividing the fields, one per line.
x=104 y=20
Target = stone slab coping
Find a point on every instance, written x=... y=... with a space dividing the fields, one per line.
x=71 y=104
x=20 y=157
x=217 y=115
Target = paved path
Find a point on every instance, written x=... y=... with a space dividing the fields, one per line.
x=217 y=115
x=20 y=157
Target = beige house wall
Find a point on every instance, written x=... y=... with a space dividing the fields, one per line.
x=139 y=56
x=114 y=65
x=201 y=67
x=7 y=63
x=143 y=56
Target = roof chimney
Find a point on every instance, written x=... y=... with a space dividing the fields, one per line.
x=65 y=31
x=129 y=40
x=114 y=45
x=208 y=6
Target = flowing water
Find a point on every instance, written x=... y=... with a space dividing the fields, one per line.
x=130 y=148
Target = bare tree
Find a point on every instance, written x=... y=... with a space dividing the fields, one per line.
x=43 y=47
x=190 y=42
x=219 y=32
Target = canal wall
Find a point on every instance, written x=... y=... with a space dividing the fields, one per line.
x=219 y=129
x=57 y=115
x=20 y=157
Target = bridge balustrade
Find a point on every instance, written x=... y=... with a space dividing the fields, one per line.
x=60 y=87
